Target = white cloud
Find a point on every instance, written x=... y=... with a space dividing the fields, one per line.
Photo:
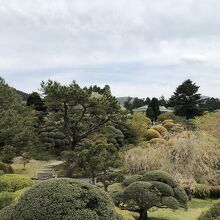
x=118 y=42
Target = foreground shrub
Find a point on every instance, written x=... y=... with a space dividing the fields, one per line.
x=65 y=199
x=212 y=214
x=6 y=198
x=14 y=182
x=201 y=191
x=5 y=168
x=6 y=213
x=151 y=133
x=154 y=189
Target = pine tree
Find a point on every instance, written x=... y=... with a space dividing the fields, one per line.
x=185 y=100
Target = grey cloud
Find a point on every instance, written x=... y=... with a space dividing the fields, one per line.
x=154 y=44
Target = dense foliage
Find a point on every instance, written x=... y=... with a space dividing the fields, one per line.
x=65 y=199
x=14 y=182
x=186 y=99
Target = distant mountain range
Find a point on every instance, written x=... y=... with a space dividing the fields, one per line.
x=122 y=100
x=23 y=95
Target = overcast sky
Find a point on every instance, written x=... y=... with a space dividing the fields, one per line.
x=139 y=47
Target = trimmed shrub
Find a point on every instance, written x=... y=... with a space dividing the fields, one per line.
x=156 y=189
x=5 y=168
x=164 y=188
x=201 y=191
x=214 y=192
x=151 y=133
x=6 y=213
x=212 y=213
x=14 y=182
x=65 y=199
x=6 y=198
x=131 y=179
x=157 y=141
x=158 y=175
x=161 y=129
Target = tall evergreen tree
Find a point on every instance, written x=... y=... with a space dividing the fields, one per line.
x=36 y=101
x=154 y=105
x=186 y=99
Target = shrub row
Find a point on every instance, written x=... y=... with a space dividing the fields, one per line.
x=203 y=191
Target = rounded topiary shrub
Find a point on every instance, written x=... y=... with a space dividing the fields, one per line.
x=158 y=141
x=5 y=168
x=161 y=129
x=14 y=182
x=158 y=175
x=131 y=179
x=65 y=199
x=151 y=133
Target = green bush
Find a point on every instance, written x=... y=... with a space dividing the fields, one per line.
x=161 y=176
x=6 y=213
x=215 y=192
x=14 y=182
x=212 y=214
x=131 y=179
x=65 y=199
x=152 y=189
x=201 y=191
x=151 y=133
x=5 y=168
x=6 y=198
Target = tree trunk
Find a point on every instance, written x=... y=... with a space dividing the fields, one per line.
x=143 y=215
x=70 y=169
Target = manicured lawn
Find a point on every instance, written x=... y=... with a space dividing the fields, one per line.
x=196 y=207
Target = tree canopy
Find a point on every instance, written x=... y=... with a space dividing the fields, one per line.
x=186 y=99
x=152 y=189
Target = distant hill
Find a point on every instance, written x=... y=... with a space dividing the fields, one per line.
x=122 y=100
x=24 y=95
